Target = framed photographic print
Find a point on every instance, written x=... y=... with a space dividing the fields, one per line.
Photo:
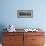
x=25 y=13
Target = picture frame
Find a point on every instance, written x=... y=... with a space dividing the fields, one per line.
x=25 y=13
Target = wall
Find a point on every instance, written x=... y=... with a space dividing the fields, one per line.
x=9 y=13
